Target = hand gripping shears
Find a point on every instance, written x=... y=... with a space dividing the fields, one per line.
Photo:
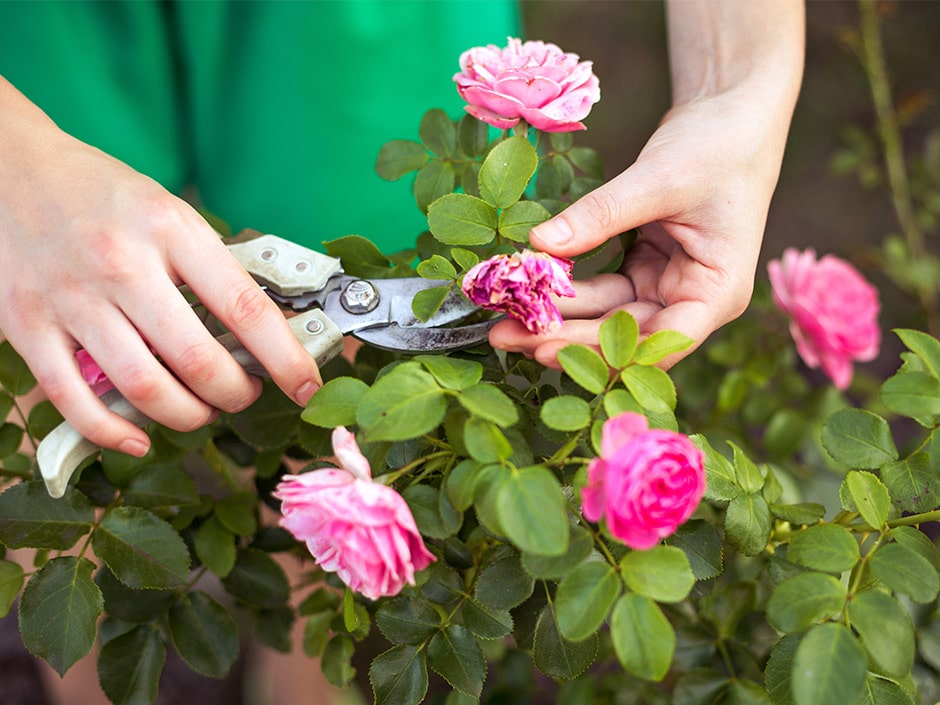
x=330 y=304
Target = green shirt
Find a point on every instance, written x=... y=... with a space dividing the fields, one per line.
x=274 y=111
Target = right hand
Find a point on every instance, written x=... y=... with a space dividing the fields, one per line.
x=91 y=256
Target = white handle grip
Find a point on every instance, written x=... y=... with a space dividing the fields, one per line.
x=64 y=449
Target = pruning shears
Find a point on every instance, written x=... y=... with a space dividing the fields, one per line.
x=329 y=303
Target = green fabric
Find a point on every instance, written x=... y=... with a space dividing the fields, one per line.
x=274 y=110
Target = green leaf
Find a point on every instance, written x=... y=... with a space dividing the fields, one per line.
x=316 y=634
x=336 y=662
x=506 y=171
x=11 y=438
x=405 y=403
x=803 y=599
x=912 y=394
x=785 y=431
x=651 y=387
x=745 y=692
x=59 y=612
x=886 y=631
x=489 y=402
x=42 y=419
x=748 y=474
x=129 y=666
x=456 y=656
x=532 y=510
x=925 y=346
x=271 y=422
x=435 y=179
x=662 y=573
x=726 y=606
x=587 y=160
x=485 y=442
x=407 y=620
x=438 y=132
x=129 y=605
x=29 y=517
x=461 y=219
x=11 y=580
x=398 y=157
x=702 y=546
x=800 y=513
x=141 y=550
x=503 y=584
x=918 y=542
x=748 y=523
x=879 y=691
x=828 y=548
x=485 y=622
x=914 y=486
x=618 y=337
x=467 y=259
x=436 y=267
x=585 y=367
x=699 y=686
x=215 y=546
x=460 y=484
x=828 y=667
x=361 y=258
x=257 y=579
x=660 y=345
x=433 y=513
x=904 y=570
x=557 y=656
x=517 y=220
x=777 y=673
x=859 y=439
x=584 y=599
x=427 y=302
x=451 y=372
x=161 y=486
x=870 y=497
x=238 y=513
x=643 y=638
x=204 y=634
x=566 y=413
x=14 y=372
x=336 y=403
x=473 y=135
x=399 y=676
x=721 y=482
x=580 y=545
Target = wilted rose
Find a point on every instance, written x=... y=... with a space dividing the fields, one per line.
x=92 y=373
x=533 y=81
x=646 y=482
x=833 y=311
x=357 y=528
x=521 y=285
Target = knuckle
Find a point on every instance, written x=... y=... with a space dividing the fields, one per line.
x=603 y=207
x=249 y=307
x=138 y=385
x=196 y=363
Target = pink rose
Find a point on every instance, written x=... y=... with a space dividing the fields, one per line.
x=645 y=484
x=521 y=285
x=92 y=373
x=353 y=526
x=833 y=311
x=533 y=81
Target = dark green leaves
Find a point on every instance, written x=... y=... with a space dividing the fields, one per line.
x=29 y=517
x=129 y=666
x=859 y=439
x=644 y=641
x=455 y=654
x=141 y=550
x=405 y=403
x=585 y=598
x=828 y=667
x=204 y=634
x=399 y=676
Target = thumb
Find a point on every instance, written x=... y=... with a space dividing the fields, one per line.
x=627 y=201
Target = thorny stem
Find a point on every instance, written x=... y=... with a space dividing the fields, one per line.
x=889 y=132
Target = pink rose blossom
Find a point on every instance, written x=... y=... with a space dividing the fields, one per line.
x=353 y=526
x=521 y=285
x=533 y=81
x=833 y=311
x=646 y=482
x=92 y=373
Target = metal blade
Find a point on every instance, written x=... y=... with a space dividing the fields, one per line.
x=416 y=339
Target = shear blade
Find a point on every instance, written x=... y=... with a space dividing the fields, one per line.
x=418 y=339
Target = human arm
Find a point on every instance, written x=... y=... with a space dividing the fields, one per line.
x=91 y=256
x=699 y=190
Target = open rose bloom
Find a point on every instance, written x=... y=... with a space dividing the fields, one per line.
x=357 y=528
x=532 y=81
x=645 y=483
x=521 y=285
x=833 y=311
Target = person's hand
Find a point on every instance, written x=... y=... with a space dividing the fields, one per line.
x=699 y=191
x=91 y=255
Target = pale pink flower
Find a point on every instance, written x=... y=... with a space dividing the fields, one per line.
x=521 y=285
x=533 y=81
x=357 y=528
x=92 y=373
x=646 y=482
x=833 y=311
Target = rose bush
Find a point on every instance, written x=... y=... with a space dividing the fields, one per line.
x=552 y=502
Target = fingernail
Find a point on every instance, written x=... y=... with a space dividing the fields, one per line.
x=135 y=447
x=553 y=232
x=306 y=391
